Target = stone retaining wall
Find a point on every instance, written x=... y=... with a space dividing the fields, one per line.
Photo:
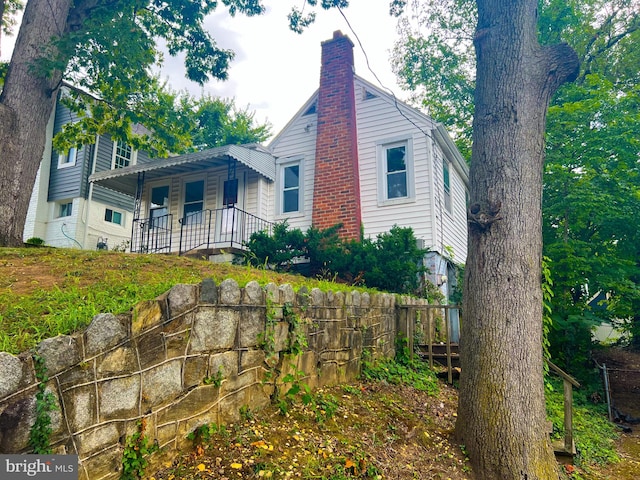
x=194 y=355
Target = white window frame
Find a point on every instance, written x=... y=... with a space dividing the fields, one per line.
x=149 y=209
x=381 y=153
x=447 y=194
x=282 y=165
x=113 y=212
x=132 y=160
x=186 y=180
x=68 y=160
x=60 y=206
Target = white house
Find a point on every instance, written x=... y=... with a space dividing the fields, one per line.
x=353 y=154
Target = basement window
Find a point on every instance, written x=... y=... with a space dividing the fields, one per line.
x=113 y=216
x=65 y=209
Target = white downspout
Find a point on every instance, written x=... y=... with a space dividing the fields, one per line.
x=90 y=196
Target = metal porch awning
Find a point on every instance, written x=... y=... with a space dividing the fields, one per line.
x=125 y=180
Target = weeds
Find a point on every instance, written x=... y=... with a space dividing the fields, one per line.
x=40 y=433
x=136 y=448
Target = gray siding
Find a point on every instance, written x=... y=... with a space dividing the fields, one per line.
x=66 y=183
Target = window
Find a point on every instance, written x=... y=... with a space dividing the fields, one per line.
x=290 y=199
x=159 y=206
x=123 y=155
x=193 y=202
x=65 y=209
x=112 y=216
x=396 y=172
x=447 y=186
x=68 y=160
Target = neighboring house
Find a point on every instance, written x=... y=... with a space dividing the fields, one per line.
x=353 y=154
x=65 y=209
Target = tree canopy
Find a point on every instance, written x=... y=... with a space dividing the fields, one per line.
x=591 y=171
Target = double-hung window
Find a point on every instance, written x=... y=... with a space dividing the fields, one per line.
x=290 y=188
x=446 y=185
x=123 y=155
x=193 y=202
x=395 y=165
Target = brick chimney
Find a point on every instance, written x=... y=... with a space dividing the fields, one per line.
x=336 y=194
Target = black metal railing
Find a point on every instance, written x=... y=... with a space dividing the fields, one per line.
x=152 y=235
x=219 y=228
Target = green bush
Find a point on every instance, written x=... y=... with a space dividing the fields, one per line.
x=391 y=262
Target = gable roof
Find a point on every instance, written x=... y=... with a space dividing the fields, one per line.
x=438 y=131
x=125 y=180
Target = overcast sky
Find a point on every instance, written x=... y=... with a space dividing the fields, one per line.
x=276 y=70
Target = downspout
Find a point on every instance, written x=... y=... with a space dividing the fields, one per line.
x=90 y=196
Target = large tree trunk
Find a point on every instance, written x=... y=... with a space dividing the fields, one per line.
x=501 y=418
x=26 y=103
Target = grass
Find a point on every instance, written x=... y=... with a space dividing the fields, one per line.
x=45 y=292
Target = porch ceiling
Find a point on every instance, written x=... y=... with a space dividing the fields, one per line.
x=125 y=180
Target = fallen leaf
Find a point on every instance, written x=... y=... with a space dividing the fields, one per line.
x=237 y=466
x=201 y=467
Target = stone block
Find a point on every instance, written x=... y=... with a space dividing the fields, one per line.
x=226 y=363
x=104 y=332
x=252 y=324
x=303 y=297
x=229 y=292
x=280 y=336
x=119 y=398
x=251 y=359
x=229 y=406
x=238 y=382
x=272 y=293
x=287 y=295
x=195 y=370
x=214 y=329
x=151 y=348
x=80 y=407
x=118 y=362
x=146 y=315
x=317 y=297
x=208 y=291
x=105 y=465
x=161 y=384
x=59 y=353
x=252 y=294
x=167 y=434
x=16 y=419
x=99 y=438
x=197 y=401
x=12 y=369
x=181 y=298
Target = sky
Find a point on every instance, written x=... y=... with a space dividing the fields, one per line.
x=276 y=70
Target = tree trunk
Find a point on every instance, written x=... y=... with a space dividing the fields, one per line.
x=501 y=418
x=26 y=103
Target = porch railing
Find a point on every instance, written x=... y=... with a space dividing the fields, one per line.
x=152 y=235
x=219 y=228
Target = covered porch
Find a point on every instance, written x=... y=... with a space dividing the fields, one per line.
x=209 y=201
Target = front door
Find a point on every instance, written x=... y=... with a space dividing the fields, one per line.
x=229 y=214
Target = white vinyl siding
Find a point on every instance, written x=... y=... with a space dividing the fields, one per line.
x=381 y=124
x=296 y=142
